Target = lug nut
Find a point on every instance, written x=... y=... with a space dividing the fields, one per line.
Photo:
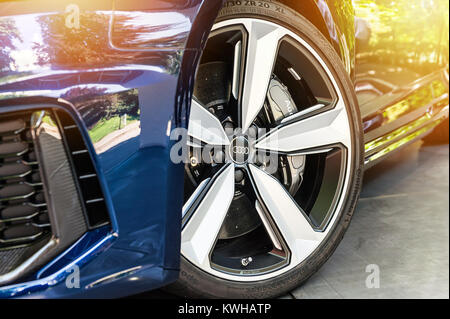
x=263 y=159
x=253 y=132
x=219 y=157
x=194 y=161
x=246 y=261
x=238 y=176
x=229 y=128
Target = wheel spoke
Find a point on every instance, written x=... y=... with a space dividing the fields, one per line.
x=200 y=232
x=310 y=135
x=292 y=223
x=204 y=126
x=281 y=231
x=262 y=49
x=237 y=69
x=272 y=235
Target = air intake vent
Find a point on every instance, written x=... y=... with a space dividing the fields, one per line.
x=50 y=194
x=87 y=180
x=23 y=210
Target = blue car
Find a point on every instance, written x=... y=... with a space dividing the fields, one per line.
x=214 y=148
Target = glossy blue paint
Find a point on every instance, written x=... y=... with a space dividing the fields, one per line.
x=81 y=66
x=53 y=275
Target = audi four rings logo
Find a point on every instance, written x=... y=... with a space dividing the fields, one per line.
x=241 y=150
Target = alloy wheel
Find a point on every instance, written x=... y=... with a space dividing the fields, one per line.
x=269 y=153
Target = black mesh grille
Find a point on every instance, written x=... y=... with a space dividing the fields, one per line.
x=23 y=210
x=50 y=194
x=87 y=180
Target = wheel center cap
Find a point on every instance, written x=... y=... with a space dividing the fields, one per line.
x=240 y=150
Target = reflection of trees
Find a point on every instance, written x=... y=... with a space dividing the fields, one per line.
x=345 y=14
x=95 y=106
x=173 y=62
x=444 y=34
x=406 y=33
x=414 y=101
x=74 y=47
x=8 y=33
x=130 y=32
x=88 y=45
x=124 y=103
x=82 y=92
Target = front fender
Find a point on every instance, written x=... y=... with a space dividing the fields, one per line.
x=140 y=76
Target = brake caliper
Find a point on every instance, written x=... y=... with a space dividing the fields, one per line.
x=282 y=106
x=280 y=101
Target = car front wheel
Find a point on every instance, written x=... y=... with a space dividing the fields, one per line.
x=275 y=156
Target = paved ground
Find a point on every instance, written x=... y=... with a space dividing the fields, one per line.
x=401 y=225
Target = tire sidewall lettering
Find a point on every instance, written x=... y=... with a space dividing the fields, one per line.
x=252 y=3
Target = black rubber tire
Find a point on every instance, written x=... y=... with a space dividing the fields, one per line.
x=195 y=283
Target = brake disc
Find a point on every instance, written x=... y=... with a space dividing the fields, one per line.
x=281 y=105
x=212 y=88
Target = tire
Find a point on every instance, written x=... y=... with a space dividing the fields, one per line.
x=193 y=281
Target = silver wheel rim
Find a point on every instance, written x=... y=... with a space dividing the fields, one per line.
x=315 y=130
